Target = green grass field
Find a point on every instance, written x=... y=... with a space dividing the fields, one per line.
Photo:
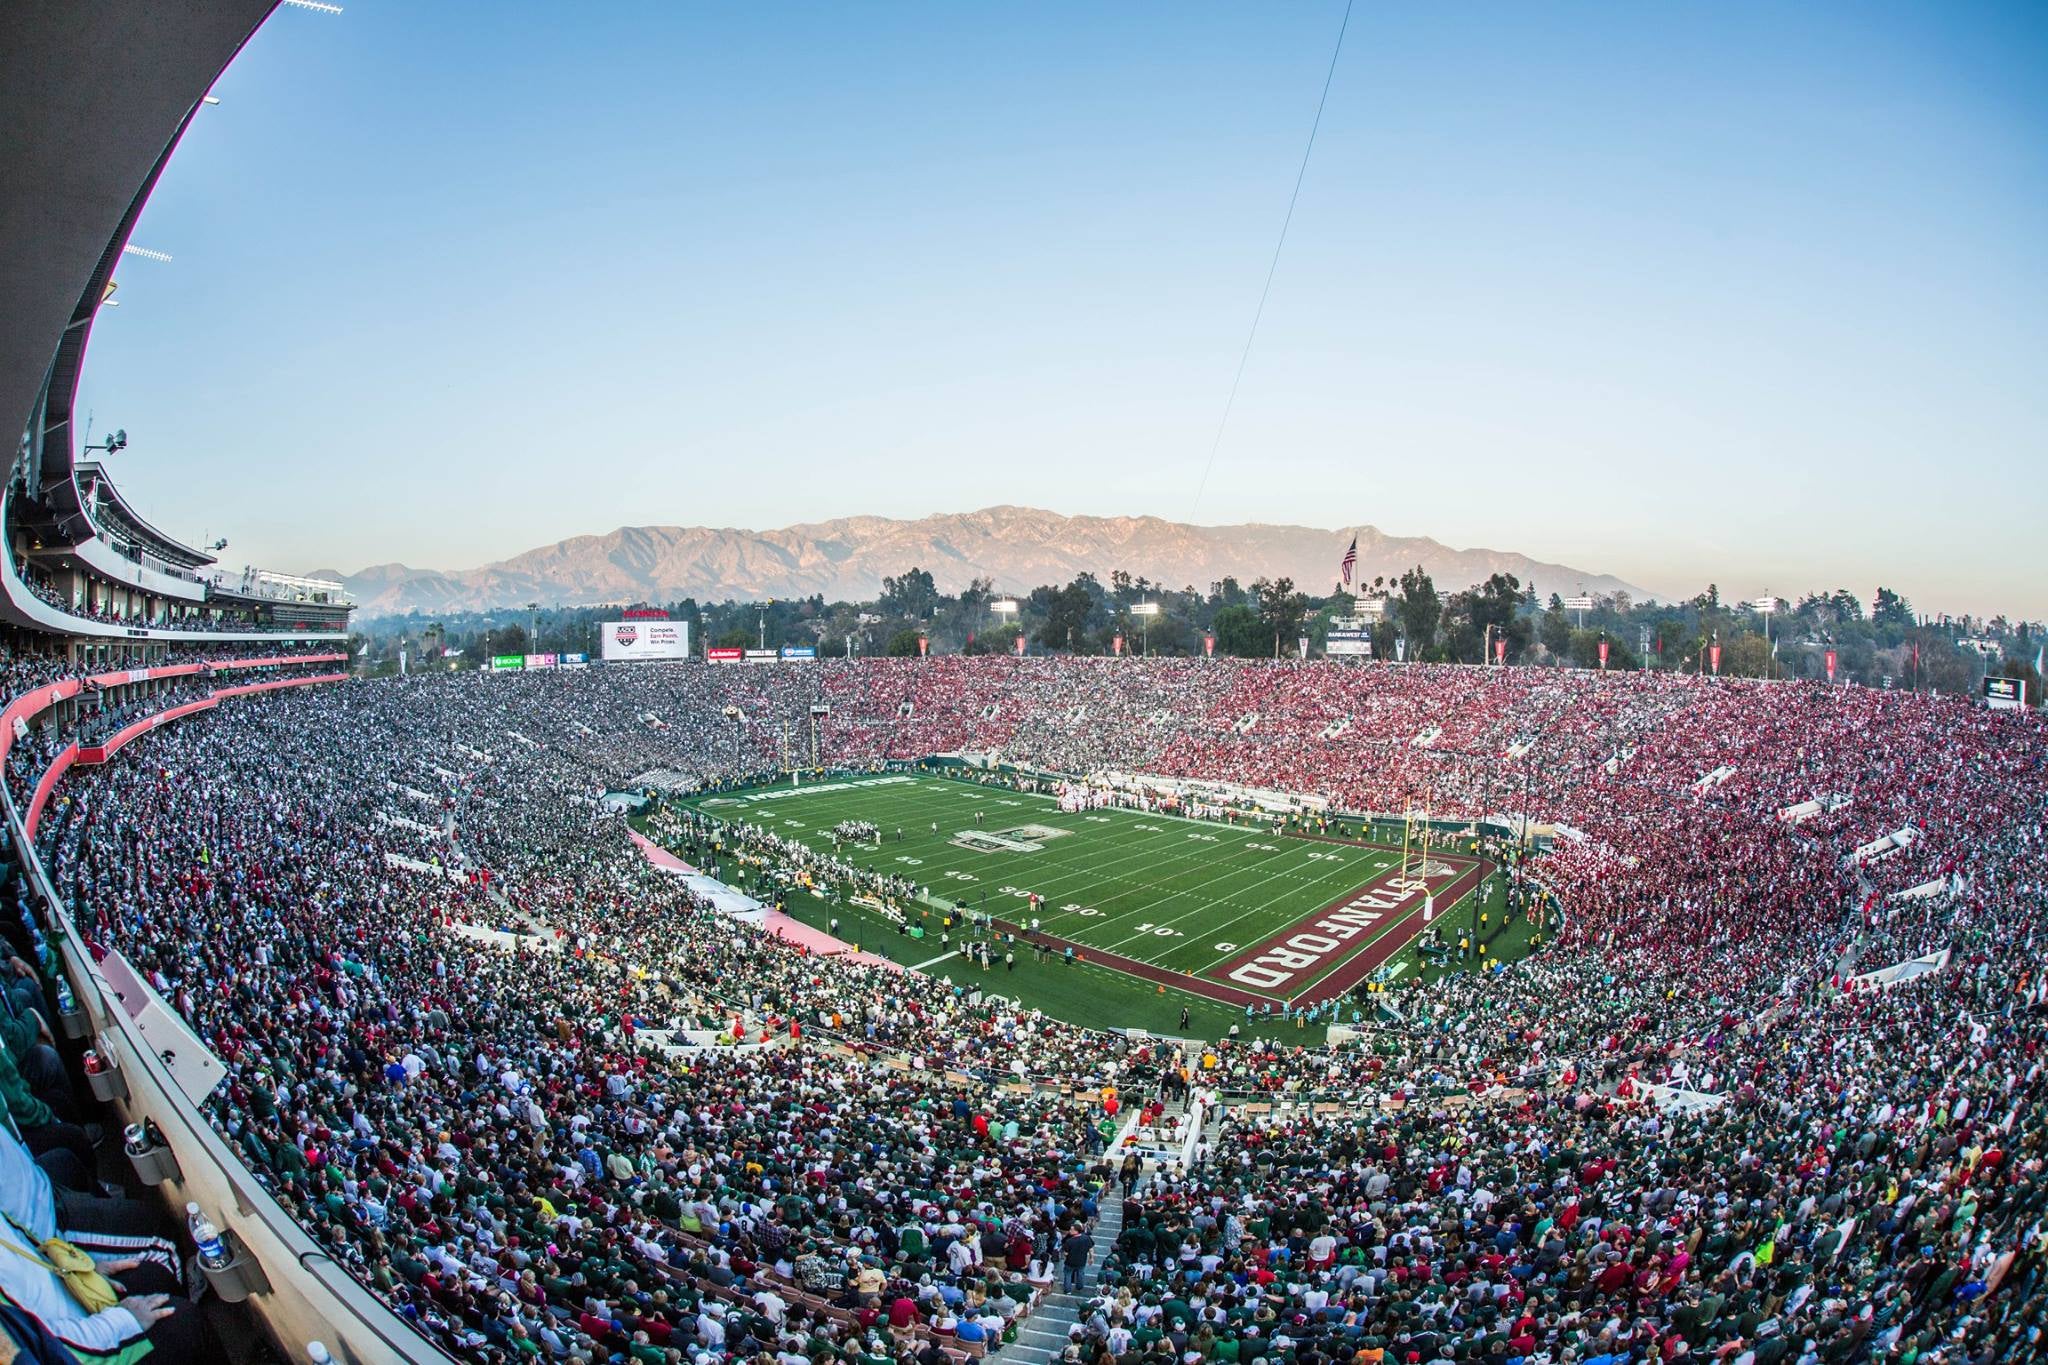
x=1161 y=912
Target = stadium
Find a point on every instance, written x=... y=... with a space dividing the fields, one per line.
x=681 y=1001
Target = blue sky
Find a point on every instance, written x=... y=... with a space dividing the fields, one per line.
x=1746 y=293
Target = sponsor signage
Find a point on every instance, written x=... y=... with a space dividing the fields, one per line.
x=1348 y=641
x=799 y=651
x=575 y=660
x=507 y=663
x=759 y=656
x=1831 y=665
x=2003 y=694
x=540 y=660
x=724 y=655
x=629 y=641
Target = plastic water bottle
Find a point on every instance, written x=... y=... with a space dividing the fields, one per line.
x=318 y=1354
x=213 y=1250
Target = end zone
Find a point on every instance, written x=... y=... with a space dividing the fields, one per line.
x=1329 y=951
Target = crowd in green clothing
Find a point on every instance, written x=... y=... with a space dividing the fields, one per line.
x=486 y=1138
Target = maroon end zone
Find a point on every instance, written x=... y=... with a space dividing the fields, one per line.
x=1328 y=952
x=1462 y=874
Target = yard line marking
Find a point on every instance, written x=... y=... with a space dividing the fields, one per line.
x=1150 y=868
x=1088 y=870
x=1207 y=905
x=933 y=961
x=1260 y=910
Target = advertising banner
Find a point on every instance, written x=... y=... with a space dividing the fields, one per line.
x=631 y=641
x=1500 y=651
x=1116 y=645
x=574 y=660
x=726 y=655
x=924 y=645
x=1348 y=642
x=760 y=656
x=1209 y=646
x=540 y=661
x=1020 y=646
x=799 y=651
x=1603 y=653
x=2004 y=694
x=507 y=663
x=1831 y=665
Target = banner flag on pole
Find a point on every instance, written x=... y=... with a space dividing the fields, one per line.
x=1350 y=559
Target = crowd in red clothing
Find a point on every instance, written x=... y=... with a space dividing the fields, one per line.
x=502 y=1143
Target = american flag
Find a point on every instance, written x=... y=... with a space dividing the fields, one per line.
x=1350 y=559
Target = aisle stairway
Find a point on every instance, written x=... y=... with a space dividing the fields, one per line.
x=1043 y=1335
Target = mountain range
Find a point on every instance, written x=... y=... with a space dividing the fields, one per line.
x=847 y=558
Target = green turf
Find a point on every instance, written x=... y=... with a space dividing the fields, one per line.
x=1180 y=894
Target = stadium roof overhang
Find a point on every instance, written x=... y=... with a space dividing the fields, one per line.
x=94 y=98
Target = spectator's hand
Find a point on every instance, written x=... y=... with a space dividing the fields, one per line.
x=20 y=968
x=149 y=1309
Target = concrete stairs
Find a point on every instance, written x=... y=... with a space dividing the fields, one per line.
x=1042 y=1336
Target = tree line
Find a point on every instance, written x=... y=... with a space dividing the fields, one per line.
x=1881 y=643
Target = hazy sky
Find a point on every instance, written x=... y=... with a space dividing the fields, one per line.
x=1756 y=294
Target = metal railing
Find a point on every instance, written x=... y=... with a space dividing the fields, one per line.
x=309 y=1295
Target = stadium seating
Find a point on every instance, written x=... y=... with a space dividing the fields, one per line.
x=1686 y=1128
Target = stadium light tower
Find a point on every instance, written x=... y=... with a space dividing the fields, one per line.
x=1767 y=604
x=1005 y=607
x=1145 y=611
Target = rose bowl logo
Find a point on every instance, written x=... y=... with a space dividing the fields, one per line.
x=626 y=636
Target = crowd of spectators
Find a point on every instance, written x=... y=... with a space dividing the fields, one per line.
x=546 y=1101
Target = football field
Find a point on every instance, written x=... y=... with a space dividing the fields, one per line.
x=1236 y=914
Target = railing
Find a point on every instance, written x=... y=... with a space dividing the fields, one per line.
x=317 y=592
x=309 y=1296
x=21 y=604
